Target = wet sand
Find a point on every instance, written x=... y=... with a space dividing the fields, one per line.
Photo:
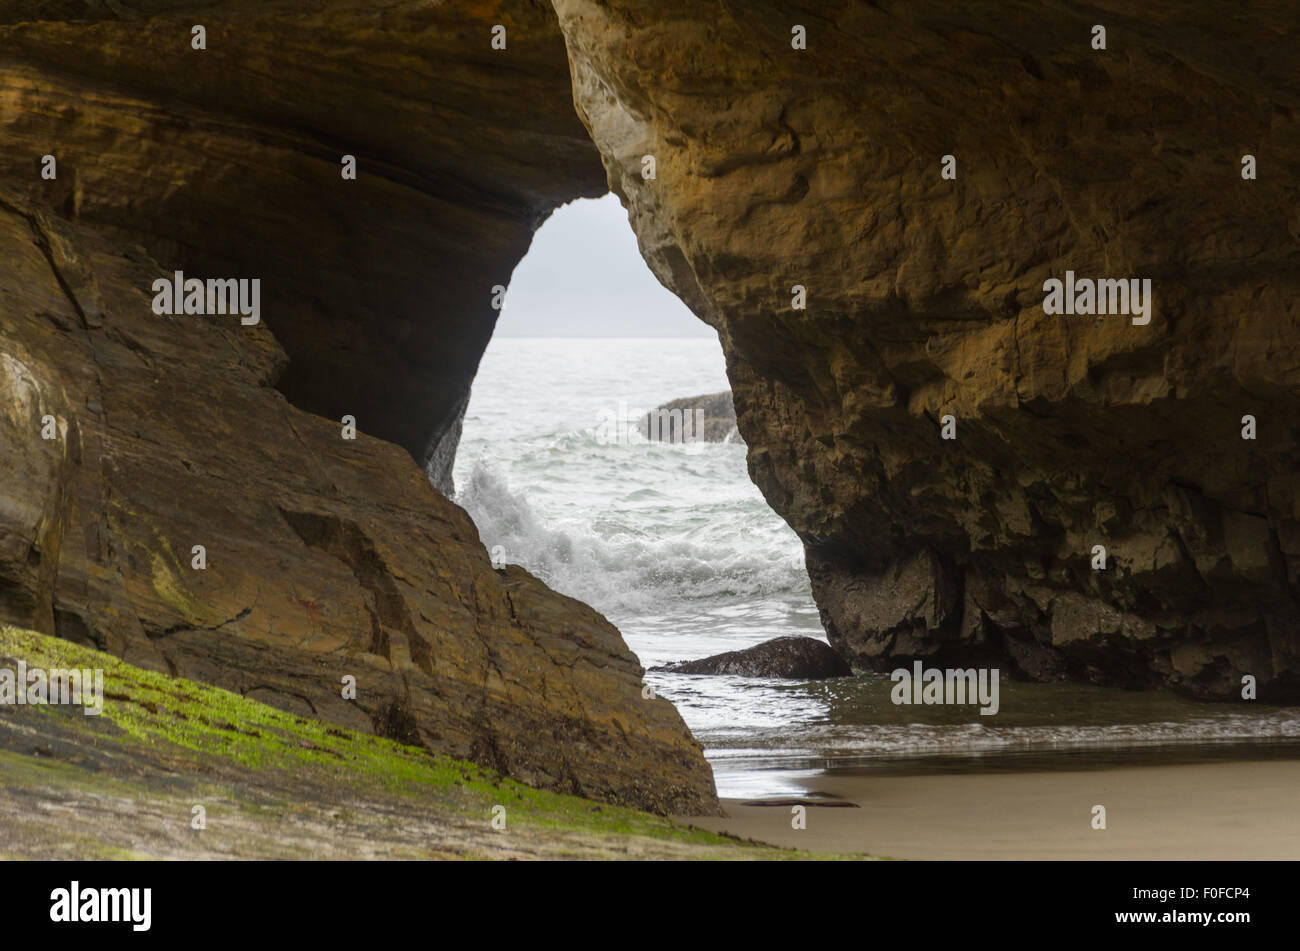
x=1226 y=810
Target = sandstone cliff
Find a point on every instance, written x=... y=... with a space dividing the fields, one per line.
x=820 y=167
x=775 y=167
x=325 y=557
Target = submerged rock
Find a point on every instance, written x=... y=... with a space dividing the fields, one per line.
x=793 y=658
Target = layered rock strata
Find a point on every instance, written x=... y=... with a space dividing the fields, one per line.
x=323 y=557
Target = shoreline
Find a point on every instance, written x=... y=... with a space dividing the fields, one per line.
x=1243 y=809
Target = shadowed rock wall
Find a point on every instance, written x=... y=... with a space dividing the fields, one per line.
x=821 y=167
x=326 y=557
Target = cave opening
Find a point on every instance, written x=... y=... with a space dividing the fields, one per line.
x=669 y=539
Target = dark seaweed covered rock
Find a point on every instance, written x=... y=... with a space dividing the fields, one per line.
x=794 y=658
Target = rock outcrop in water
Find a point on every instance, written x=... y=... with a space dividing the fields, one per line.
x=793 y=658
x=708 y=418
x=782 y=171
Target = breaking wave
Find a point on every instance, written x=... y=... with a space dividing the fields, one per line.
x=649 y=553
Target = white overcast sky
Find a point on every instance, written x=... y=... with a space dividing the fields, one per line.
x=584 y=277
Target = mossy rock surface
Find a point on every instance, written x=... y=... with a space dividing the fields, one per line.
x=124 y=784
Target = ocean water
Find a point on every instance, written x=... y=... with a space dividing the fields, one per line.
x=679 y=550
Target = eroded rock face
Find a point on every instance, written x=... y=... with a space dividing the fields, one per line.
x=325 y=557
x=792 y=658
x=821 y=167
x=775 y=167
x=227 y=161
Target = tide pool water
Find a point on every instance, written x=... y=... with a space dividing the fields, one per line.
x=680 y=551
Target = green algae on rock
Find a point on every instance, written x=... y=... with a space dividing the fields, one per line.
x=276 y=785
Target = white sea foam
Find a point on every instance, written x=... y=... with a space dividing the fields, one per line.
x=654 y=556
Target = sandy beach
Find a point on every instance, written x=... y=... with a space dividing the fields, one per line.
x=1227 y=810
